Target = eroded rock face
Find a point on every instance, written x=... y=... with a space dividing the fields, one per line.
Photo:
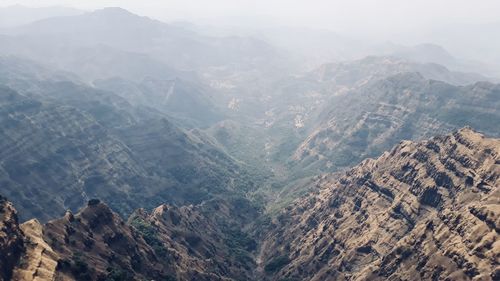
x=11 y=239
x=206 y=242
x=38 y=261
x=373 y=118
x=96 y=244
x=201 y=242
x=422 y=211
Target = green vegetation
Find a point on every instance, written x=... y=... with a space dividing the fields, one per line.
x=149 y=234
x=93 y=202
x=239 y=245
x=276 y=264
x=239 y=239
x=79 y=267
x=117 y=274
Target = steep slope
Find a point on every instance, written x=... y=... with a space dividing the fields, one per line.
x=367 y=121
x=11 y=239
x=38 y=261
x=209 y=239
x=68 y=143
x=287 y=109
x=53 y=157
x=202 y=242
x=139 y=80
x=297 y=102
x=96 y=243
x=422 y=211
x=190 y=102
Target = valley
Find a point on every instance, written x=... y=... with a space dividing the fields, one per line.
x=134 y=149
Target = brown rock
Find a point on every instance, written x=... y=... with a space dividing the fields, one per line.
x=411 y=214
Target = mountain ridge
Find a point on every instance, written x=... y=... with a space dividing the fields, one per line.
x=422 y=211
x=403 y=106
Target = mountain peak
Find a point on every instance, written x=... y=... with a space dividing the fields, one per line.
x=467 y=130
x=113 y=11
x=97 y=212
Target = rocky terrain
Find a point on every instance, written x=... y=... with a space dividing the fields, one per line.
x=371 y=119
x=133 y=149
x=421 y=211
x=295 y=118
x=203 y=242
x=11 y=239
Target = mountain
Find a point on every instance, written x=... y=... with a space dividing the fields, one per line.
x=288 y=114
x=20 y=15
x=473 y=43
x=422 y=53
x=47 y=147
x=58 y=40
x=67 y=142
x=432 y=53
x=294 y=102
x=170 y=243
x=191 y=103
x=186 y=100
x=103 y=62
x=359 y=72
x=369 y=120
x=421 y=211
x=16 y=72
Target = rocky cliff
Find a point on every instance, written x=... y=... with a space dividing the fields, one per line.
x=422 y=211
x=11 y=239
x=202 y=242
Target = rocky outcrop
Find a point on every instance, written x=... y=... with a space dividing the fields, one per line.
x=96 y=244
x=11 y=239
x=38 y=261
x=422 y=211
x=202 y=242
x=207 y=241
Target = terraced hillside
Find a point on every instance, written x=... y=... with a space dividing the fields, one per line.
x=369 y=120
x=70 y=143
x=421 y=211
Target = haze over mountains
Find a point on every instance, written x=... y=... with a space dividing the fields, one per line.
x=136 y=149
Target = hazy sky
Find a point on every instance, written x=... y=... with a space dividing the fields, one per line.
x=352 y=15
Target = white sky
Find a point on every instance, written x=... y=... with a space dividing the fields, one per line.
x=384 y=16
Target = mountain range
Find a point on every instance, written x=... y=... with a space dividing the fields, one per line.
x=133 y=149
x=421 y=211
